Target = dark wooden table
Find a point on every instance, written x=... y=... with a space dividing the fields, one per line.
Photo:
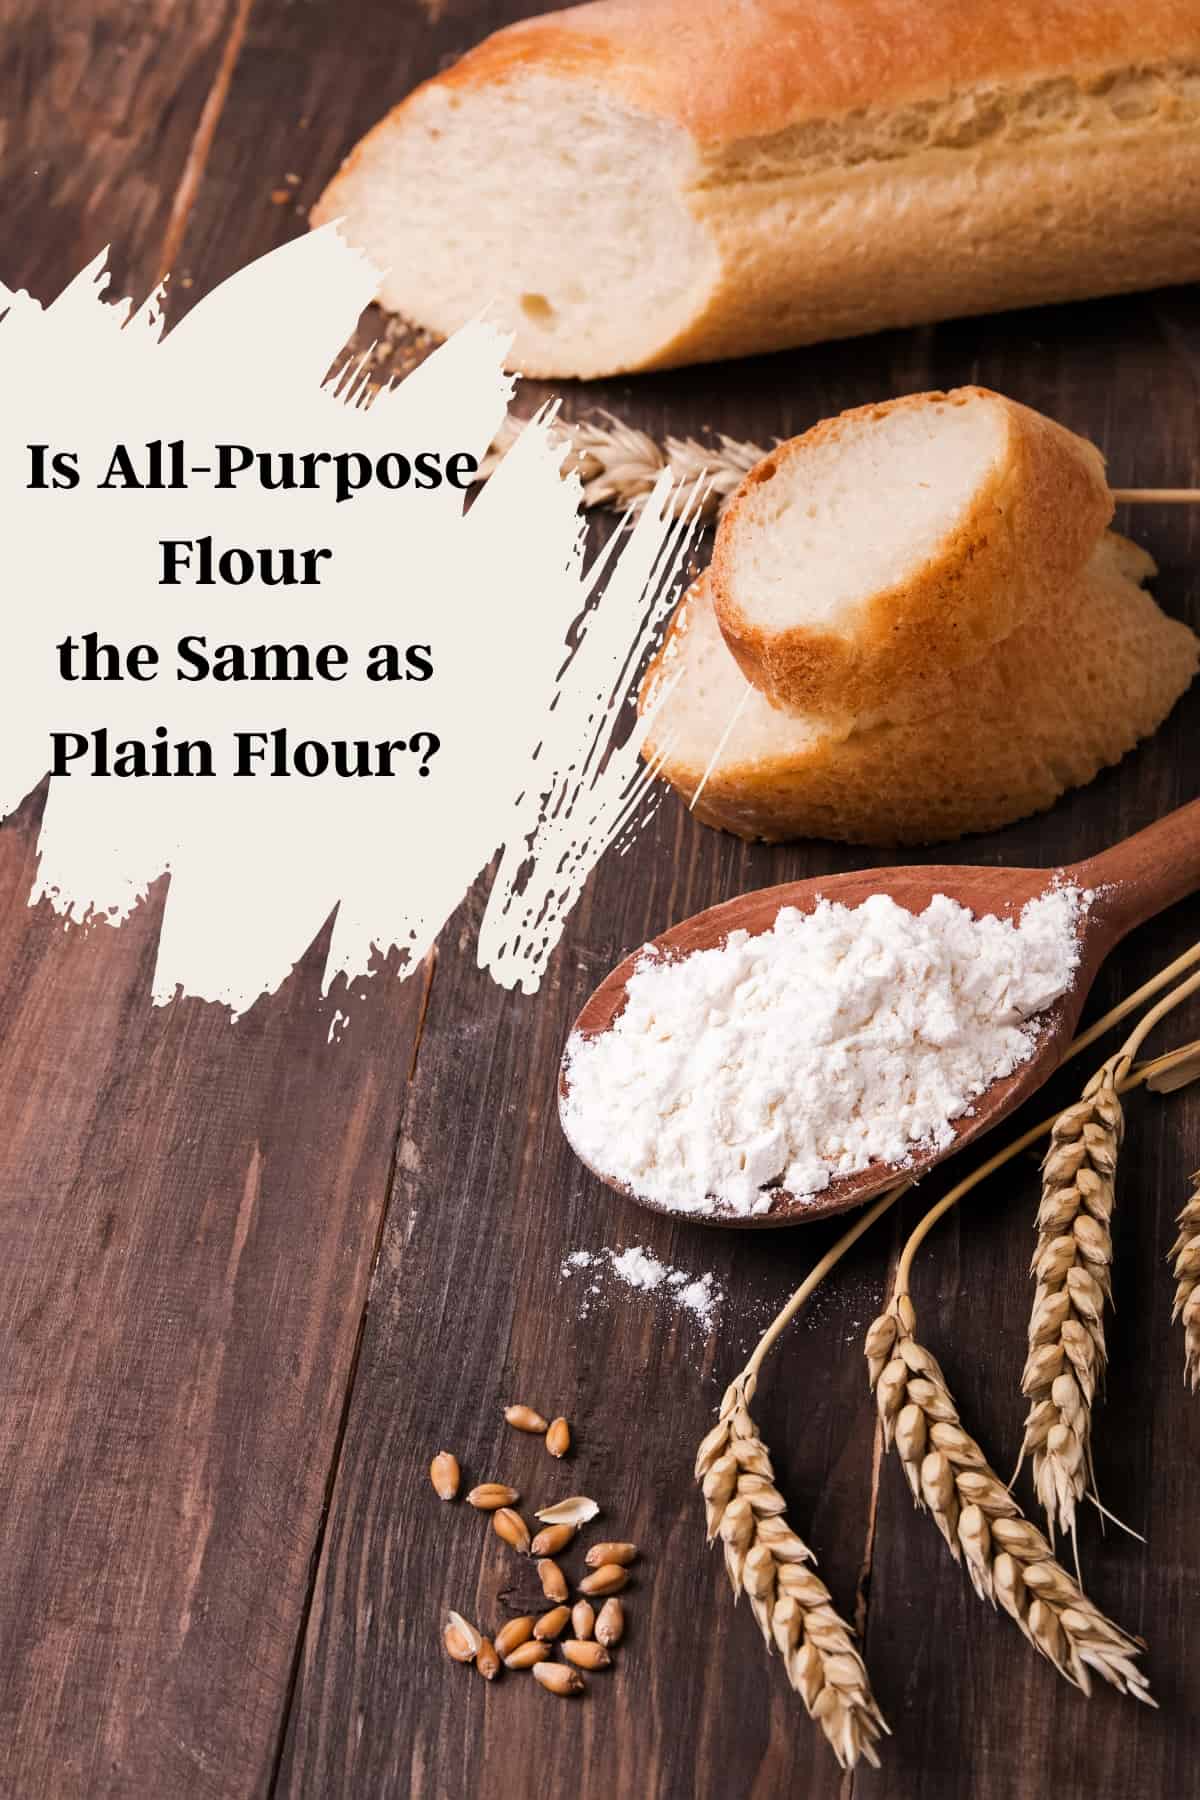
x=251 y=1280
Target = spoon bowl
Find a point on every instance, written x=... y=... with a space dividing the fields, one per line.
x=1129 y=884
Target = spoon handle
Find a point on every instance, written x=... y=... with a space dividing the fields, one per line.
x=1139 y=878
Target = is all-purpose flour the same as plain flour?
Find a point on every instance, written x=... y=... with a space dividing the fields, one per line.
x=836 y=1039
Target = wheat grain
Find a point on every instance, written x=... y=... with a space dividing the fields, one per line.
x=599 y=1554
x=558 y=1437
x=610 y=1626
x=609 y=1578
x=618 y=466
x=559 y=1678
x=554 y=1582
x=1008 y=1560
x=490 y=1496
x=1071 y=1265
x=586 y=1654
x=767 y=1561
x=445 y=1475
x=510 y=1637
x=525 y=1418
x=1185 y=1252
x=551 y=1539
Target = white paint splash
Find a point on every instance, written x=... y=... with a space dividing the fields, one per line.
x=527 y=763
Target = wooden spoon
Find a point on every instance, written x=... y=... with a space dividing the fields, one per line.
x=1132 y=883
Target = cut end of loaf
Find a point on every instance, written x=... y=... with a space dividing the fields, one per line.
x=552 y=209
x=860 y=507
x=898 y=540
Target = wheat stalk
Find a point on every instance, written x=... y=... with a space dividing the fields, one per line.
x=619 y=465
x=1186 y=1254
x=769 y=1563
x=1008 y=1560
x=1071 y=1266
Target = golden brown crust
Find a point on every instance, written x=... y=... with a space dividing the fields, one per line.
x=1072 y=690
x=725 y=72
x=1027 y=535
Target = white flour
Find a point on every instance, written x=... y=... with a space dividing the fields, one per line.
x=838 y=1038
x=698 y=1295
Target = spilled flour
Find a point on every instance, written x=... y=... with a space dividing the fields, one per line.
x=839 y=1038
x=698 y=1295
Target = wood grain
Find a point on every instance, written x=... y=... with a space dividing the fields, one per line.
x=101 y=107
x=189 y=1210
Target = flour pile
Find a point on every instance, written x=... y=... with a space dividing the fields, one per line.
x=698 y=1295
x=839 y=1038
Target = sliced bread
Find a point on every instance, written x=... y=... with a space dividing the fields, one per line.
x=1070 y=690
x=860 y=561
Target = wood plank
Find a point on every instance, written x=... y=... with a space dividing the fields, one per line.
x=980 y=1711
x=102 y=109
x=188 y=1214
x=188 y=1207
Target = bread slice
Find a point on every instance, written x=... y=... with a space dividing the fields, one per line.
x=1072 y=689
x=641 y=183
x=859 y=562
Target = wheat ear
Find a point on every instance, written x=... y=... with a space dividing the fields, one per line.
x=1008 y=1560
x=1071 y=1266
x=769 y=1563
x=619 y=465
x=1185 y=1252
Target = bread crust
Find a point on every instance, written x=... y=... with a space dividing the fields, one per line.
x=1025 y=537
x=725 y=73
x=1072 y=690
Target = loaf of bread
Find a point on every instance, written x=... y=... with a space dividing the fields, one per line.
x=640 y=183
x=895 y=542
x=1072 y=688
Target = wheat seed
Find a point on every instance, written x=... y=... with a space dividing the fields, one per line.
x=445 y=1475
x=1008 y=1560
x=610 y=1578
x=558 y=1437
x=554 y=1582
x=585 y=1654
x=583 y=1618
x=1185 y=1252
x=610 y=1626
x=491 y=1495
x=511 y=1527
x=552 y=1624
x=551 y=1539
x=462 y=1641
x=559 y=1678
x=511 y=1636
x=575 y=1510
x=599 y=1554
x=523 y=1418
x=619 y=466
x=527 y=1655
x=486 y=1660
x=793 y=1607
x=1071 y=1267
